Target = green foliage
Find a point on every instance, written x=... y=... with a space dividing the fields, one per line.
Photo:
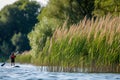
x=73 y=10
x=103 y=7
x=53 y=15
x=91 y=44
x=26 y=58
x=39 y=35
x=4 y=49
x=21 y=42
x=19 y=17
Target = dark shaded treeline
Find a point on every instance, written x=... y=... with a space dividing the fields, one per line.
x=16 y=21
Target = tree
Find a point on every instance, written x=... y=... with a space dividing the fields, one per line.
x=19 y=17
x=23 y=14
x=103 y=7
x=21 y=42
x=74 y=10
x=39 y=35
x=5 y=49
x=54 y=15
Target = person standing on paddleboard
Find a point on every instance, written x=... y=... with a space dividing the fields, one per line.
x=12 y=57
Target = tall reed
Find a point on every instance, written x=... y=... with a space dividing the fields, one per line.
x=92 y=44
x=24 y=58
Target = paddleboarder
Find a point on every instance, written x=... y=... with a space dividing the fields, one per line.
x=12 y=57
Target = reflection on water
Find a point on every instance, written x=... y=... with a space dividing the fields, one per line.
x=29 y=72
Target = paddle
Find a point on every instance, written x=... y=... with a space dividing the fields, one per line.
x=5 y=61
x=3 y=64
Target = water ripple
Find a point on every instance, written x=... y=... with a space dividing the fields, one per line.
x=29 y=72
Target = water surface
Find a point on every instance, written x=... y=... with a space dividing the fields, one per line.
x=30 y=72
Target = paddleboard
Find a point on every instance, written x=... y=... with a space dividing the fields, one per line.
x=15 y=66
x=10 y=66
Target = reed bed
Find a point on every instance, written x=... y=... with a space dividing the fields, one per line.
x=92 y=44
x=23 y=58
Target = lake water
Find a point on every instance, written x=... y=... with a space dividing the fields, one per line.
x=30 y=72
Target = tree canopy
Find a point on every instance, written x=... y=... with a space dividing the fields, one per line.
x=73 y=10
x=103 y=7
x=19 y=17
x=54 y=15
